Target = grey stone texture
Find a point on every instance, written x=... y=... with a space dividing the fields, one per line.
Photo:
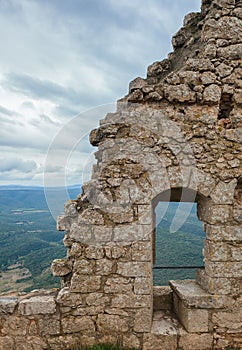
x=176 y=136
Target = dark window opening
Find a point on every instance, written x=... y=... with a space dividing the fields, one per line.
x=178 y=238
x=226 y=106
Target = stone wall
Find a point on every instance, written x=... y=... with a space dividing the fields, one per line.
x=177 y=133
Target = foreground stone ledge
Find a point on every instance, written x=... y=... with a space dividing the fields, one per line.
x=7 y=305
x=37 y=305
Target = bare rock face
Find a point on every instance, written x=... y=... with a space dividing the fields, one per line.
x=176 y=136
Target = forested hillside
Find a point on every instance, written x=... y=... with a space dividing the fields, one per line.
x=29 y=240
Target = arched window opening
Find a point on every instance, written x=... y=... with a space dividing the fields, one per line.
x=178 y=237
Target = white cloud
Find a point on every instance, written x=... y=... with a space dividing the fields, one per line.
x=59 y=58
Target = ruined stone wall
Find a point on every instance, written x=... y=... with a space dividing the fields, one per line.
x=177 y=132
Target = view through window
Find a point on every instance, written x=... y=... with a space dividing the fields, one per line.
x=179 y=241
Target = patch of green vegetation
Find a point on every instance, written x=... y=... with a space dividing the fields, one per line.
x=100 y=347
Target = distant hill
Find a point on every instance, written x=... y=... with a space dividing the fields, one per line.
x=28 y=236
x=29 y=240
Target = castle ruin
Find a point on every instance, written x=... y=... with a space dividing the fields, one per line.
x=176 y=136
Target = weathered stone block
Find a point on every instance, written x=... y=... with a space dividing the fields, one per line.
x=143 y=285
x=7 y=305
x=77 y=324
x=93 y=252
x=223 y=269
x=15 y=326
x=85 y=283
x=143 y=320
x=81 y=233
x=187 y=341
x=134 y=269
x=49 y=326
x=61 y=267
x=84 y=266
x=142 y=251
x=68 y=299
x=130 y=300
x=232 y=321
x=224 y=192
x=131 y=341
x=103 y=267
x=96 y=299
x=194 y=320
x=6 y=343
x=43 y=304
x=118 y=285
x=112 y=323
x=162 y=298
x=223 y=233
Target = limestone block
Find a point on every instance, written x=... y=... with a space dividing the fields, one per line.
x=116 y=311
x=102 y=235
x=30 y=343
x=208 y=78
x=49 y=326
x=63 y=223
x=85 y=283
x=212 y=93
x=61 y=267
x=96 y=299
x=115 y=252
x=84 y=266
x=70 y=208
x=142 y=251
x=223 y=269
x=232 y=321
x=118 y=285
x=236 y=252
x=217 y=251
x=162 y=298
x=178 y=176
x=134 y=269
x=6 y=343
x=93 y=252
x=129 y=233
x=81 y=233
x=238 y=96
x=7 y=305
x=137 y=83
x=179 y=93
x=112 y=323
x=91 y=217
x=143 y=320
x=194 y=320
x=223 y=286
x=145 y=214
x=188 y=340
x=130 y=300
x=131 y=341
x=103 y=267
x=201 y=182
x=223 y=233
x=214 y=214
x=230 y=52
x=76 y=324
x=63 y=342
x=15 y=326
x=42 y=304
x=76 y=250
x=66 y=298
x=143 y=285
x=165 y=341
x=224 y=192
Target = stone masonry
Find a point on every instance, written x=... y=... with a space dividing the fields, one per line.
x=176 y=135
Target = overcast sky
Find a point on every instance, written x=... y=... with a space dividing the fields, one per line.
x=61 y=58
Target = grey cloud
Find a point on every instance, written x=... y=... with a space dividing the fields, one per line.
x=38 y=88
x=6 y=111
x=25 y=166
